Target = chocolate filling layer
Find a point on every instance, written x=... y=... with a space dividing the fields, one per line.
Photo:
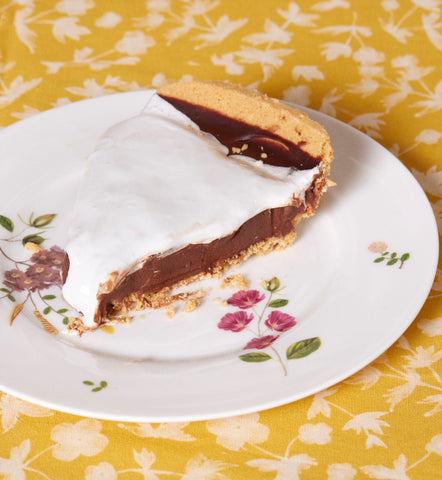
x=159 y=271
x=234 y=134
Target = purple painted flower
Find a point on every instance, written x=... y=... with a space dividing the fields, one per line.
x=17 y=281
x=280 y=322
x=38 y=270
x=44 y=275
x=235 y=322
x=53 y=257
x=245 y=299
x=53 y=277
x=261 y=342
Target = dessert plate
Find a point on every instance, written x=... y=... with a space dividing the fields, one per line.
x=285 y=325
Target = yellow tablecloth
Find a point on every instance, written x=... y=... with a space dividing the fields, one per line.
x=376 y=65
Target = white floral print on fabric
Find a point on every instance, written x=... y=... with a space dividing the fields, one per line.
x=400 y=465
x=81 y=438
x=431 y=327
x=285 y=468
x=16 y=88
x=198 y=467
x=170 y=430
x=201 y=467
x=13 y=468
x=11 y=408
x=102 y=471
x=234 y=432
x=317 y=434
x=370 y=424
x=341 y=471
x=108 y=20
x=63 y=27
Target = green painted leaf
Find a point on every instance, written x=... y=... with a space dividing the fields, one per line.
x=96 y=389
x=393 y=255
x=392 y=261
x=303 y=348
x=49 y=297
x=379 y=259
x=88 y=382
x=47 y=310
x=33 y=238
x=65 y=321
x=7 y=223
x=11 y=297
x=103 y=384
x=43 y=220
x=280 y=302
x=5 y=290
x=255 y=357
x=405 y=257
x=62 y=310
x=385 y=253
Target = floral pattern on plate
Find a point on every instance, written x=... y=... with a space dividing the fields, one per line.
x=42 y=270
x=390 y=258
x=265 y=332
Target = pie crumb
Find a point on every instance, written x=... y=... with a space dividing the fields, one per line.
x=226 y=282
x=240 y=282
x=191 y=304
x=237 y=281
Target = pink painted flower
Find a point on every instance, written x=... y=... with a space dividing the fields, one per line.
x=261 y=342
x=377 y=247
x=280 y=322
x=235 y=322
x=245 y=299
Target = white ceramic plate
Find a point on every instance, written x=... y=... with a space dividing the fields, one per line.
x=348 y=307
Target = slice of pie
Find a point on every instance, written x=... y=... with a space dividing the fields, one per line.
x=207 y=175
